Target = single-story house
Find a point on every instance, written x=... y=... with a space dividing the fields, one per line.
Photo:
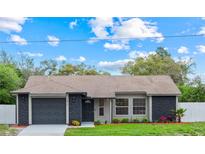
x=61 y=99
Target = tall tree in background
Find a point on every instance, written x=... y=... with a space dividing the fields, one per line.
x=27 y=68
x=66 y=69
x=162 y=52
x=160 y=63
x=48 y=67
x=5 y=58
x=80 y=69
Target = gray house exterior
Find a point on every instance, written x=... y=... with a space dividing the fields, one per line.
x=61 y=99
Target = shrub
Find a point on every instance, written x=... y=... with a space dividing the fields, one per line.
x=75 y=123
x=136 y=120
x=124 y=120
x=145 y=120
x=97 y=122
x=163 y=118
x=115 y=120
x=169 y=118
x=179 y=113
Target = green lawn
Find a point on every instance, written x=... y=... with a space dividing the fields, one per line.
x=191 y=129
x=5 y=130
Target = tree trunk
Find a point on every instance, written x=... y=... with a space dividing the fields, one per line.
x=179 y=119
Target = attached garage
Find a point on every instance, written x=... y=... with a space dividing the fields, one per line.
x=48 y=110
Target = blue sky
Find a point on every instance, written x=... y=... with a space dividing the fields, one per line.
x=108 y=55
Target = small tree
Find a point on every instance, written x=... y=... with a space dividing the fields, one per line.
x=179 y=113
x=9 y=81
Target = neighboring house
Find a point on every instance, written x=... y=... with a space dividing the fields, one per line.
x=60 y=99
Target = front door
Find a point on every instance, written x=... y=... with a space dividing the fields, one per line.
x=88 y=110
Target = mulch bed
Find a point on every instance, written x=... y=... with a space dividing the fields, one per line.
x=17 y=126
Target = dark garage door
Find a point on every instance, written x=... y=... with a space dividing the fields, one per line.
x=163 y=105
x=48 y=111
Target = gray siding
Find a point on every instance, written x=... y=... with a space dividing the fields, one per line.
x=23 y=109
x=162 y=105
x=75 y=107
x=107 y=115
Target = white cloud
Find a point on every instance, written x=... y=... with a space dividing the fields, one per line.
x=99 y=25
x=53 y=40
x=72 y=24
x=116 y=46
x=80 y=59
x=183 y=50
x=31 y=54
x=61 y=58
x=202 y=31
x=140 y=54
x=112 y=65
x=9 y=24
x=18 y=40
x=137 y=28
x=201 y=48
x=185 y=59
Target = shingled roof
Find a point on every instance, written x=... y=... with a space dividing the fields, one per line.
x=100 y=86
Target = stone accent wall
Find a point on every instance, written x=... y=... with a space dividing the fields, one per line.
x=75 y=107
x=23 y=109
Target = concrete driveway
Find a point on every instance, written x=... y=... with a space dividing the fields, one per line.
x=43 y=130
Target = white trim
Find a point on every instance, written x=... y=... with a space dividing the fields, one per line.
x=17 y=109
x=177 y=104
x=150 y=108
x=47 y=96
x=163 y=94
x=104 y=100
x=110 y=110
x=67 y=108
x=128 y=106
x=29 y=109
x=145 y=107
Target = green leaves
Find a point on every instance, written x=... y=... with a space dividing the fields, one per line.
x=193 y=91
x=9 y=81
x=179 y=113
x=80 y=69
x=160 y=63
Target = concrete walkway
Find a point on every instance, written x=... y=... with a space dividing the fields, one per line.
x=43 y=130
x=84 y=125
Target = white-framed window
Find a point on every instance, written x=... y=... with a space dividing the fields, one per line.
x=121 y=106
x=139 y=106
x=101 y=107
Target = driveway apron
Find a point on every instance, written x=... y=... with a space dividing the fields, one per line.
x=43 y=130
